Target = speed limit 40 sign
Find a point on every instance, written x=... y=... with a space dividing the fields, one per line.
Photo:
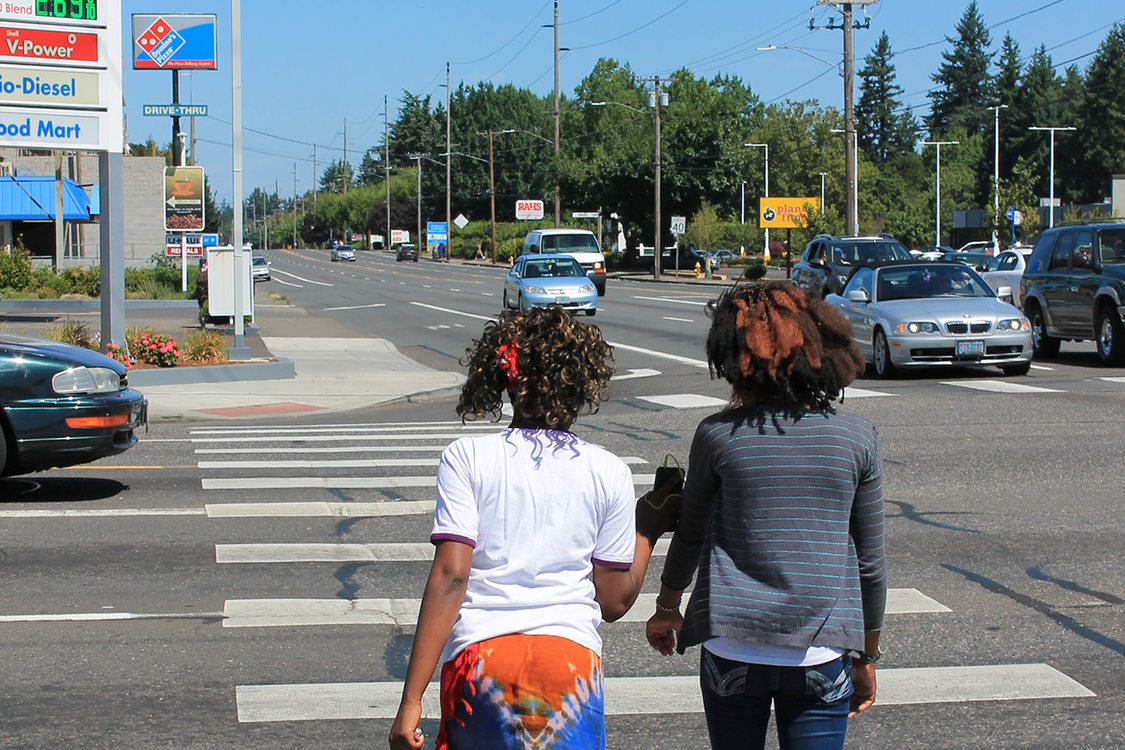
x=679 y=225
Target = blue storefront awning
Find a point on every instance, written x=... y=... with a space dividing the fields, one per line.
x=32 y=198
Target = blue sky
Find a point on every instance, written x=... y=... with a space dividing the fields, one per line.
x=308 y=67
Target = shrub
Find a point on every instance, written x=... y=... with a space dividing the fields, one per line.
x=155 y=349
x=118 y=353
x=15 y=267
x=206 y=347
x=74 y=332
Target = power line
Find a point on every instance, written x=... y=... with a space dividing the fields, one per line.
x=634 y=31
x=496 y=51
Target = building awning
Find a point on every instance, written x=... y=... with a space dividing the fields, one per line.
x=32 y=198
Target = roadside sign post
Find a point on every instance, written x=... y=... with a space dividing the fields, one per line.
x=678 y=227
x=437 y=236
x=183 y=207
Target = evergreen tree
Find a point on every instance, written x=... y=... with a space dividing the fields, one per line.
x=1038 y=102
x=335 y=175
x=1102 y=128
x=964 y=88
x=882 y=129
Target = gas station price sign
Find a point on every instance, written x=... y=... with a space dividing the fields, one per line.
x=76 y=10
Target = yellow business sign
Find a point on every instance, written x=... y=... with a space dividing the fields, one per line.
x=785 y=213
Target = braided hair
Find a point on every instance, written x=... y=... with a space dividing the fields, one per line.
x=551 y=365
x=778 y=345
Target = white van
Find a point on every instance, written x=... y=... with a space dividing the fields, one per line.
x=580 y=244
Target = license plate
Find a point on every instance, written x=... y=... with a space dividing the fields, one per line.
x=970 y=348
x=561 y=300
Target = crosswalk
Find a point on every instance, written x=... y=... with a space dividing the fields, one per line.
x=389 y=470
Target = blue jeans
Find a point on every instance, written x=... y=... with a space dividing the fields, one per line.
x=811 y=703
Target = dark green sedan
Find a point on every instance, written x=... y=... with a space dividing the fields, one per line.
x=62 y=405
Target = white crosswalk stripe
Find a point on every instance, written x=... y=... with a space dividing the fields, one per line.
x=999 y=386
x=398 y=459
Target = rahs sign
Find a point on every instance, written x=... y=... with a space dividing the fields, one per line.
x=529 y=210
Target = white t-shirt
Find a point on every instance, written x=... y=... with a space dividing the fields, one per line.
x=539 y=507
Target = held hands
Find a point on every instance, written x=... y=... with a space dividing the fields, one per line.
x=661 y=631
x=405 y=734
x=659 y=511
x=863 y=687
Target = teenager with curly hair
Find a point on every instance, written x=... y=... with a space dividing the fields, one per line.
x=782 y=516
x=537 y=541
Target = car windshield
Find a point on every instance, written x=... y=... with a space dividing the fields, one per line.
x=1112 y=245
x=847 y=253
x=259 y=261
x=923 y=281
x=570 y=243
x=343 y=248
x=555 y=268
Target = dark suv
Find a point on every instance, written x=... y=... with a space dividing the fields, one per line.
x=1074 y=288
x=687 y=261
x=827 y=261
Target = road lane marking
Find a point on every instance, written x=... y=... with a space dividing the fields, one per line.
x=342 y=483
x=326 y=438
x=685 y=401
x=679 y=320
x=851 y=392
x=669 y=299
x=102 y=512
x=105 y=616
x=320 y=509
x=344 y=463
x=659 y=695
x=639 y=373
x=301 y=278
x=327 y=449
x=355 y=307
x=289 y=283
x=999 y=386
x=388 y=426
x=1042 y=367
x=1113 y=380
x=454 y=312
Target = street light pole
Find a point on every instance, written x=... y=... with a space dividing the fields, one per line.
x=765 y=146
x=937 y=182
x=1051 y=198
x=996 y=178
x=656 y=170
x=742 y=247
x=822 y=174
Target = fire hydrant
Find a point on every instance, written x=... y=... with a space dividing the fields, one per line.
x=697 y=269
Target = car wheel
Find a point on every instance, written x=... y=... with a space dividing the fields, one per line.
x=884 y=367
x=519 y=303
x=1042 y=344
x=415 y=258
x=506 y=300
x=591 y=313
x=1016 y=370
x=1111 y=337
x=601 y=290
x=3 y=450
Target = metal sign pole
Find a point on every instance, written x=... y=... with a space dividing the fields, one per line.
x=183 y=261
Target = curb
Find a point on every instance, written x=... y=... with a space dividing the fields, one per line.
x=281 y=369
x=95 y=304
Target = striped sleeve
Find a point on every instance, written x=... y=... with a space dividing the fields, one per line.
x=866 y=530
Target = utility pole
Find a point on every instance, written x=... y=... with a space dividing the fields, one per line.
x=1051 y=199
x=996 y=179
x=294 y=205
x=492 y=194
x=656 y=172
x=345 y=163
x=387 y=171
x=822 y=175
x=418 y=199
x=852 y=208
x=448 y=156
x=315 y=175
x=557 y=209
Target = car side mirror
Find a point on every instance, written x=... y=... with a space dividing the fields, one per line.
x=533 y=249
x=1005 y=293
x=859 y=295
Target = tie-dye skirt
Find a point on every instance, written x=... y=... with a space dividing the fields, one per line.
x=522 y=691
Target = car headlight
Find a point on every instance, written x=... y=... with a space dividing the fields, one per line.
x=586 y=288
x=1013 y=324
x=597 y=266
x=86 y=380
x=917 y=327
x=534 y=289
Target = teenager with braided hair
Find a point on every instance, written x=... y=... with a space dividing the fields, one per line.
x=538 y=538
x=782 y=516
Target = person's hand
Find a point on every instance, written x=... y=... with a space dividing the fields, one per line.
x=405 y=734
x=659 y=511
x=661 y=631
x=863 y=687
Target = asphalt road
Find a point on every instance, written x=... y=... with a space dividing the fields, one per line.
x=205 y=591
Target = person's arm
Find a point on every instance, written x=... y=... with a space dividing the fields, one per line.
x=615 y=589
x=866 y=530
x=441 y=601
x=863 y=675
x=664 y=626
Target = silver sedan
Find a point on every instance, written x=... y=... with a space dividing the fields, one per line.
x=542 y=280
x=939 y=314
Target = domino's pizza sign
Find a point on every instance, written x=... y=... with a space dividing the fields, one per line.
x=173 y=41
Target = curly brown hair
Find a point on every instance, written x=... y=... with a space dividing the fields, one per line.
x=774 y=343
x=562 y=366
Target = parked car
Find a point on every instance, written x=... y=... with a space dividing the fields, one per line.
x=343 y=252
x=685 y=259
x=827 y=261
x=1006 y=270
x=62 y=405
x=549 y=279
x=259 y=269
x=932 y=314
x=978 y=261
x=723 y=256
x=931 y=252
x=1074 y=288
x=331 y=243
x=407 y=252
x=580 y=244
x=978 y=246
